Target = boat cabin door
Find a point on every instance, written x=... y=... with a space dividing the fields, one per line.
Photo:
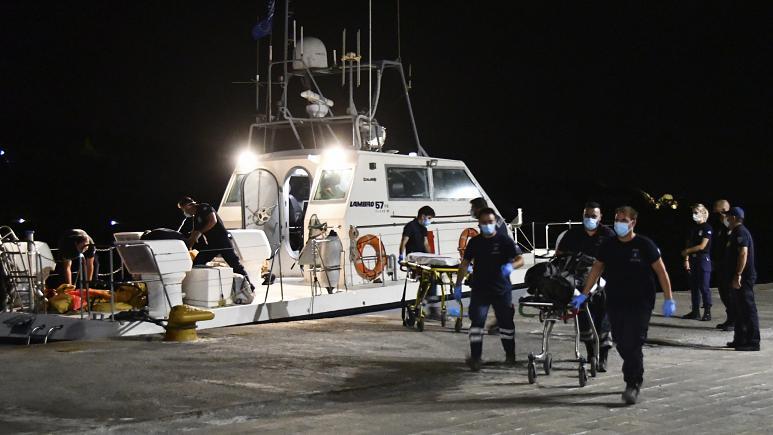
x=261 y=205
x=296 y=192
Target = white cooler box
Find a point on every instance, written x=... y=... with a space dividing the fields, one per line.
x=206 y=286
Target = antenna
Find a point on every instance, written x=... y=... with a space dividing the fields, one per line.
x=335 y=59
x=301 y=43
x=370 y=64
x=399 y=54
x=358 y=58
x=295 y=42
x=343 y=62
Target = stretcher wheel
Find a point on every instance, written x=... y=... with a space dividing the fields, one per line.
x=532 y=372
x=330 y=290
x=420 y=325
x=458 y=324
x=583 y=376
x=593 y=366
x=547 y=365
x=443 y=315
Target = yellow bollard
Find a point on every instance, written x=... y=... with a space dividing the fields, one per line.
x=181 y=325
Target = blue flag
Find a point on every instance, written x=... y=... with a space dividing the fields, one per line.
x=263 y=28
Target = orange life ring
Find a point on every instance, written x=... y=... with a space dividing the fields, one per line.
x=364 y=271
x=465 y=237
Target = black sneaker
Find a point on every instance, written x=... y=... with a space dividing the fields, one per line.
x=706 y=315
x=474 y=364
x=734 y=344
x=729 y=327
x=748 y=348
x=631 y=394
x=692 y=315
x=721 y=325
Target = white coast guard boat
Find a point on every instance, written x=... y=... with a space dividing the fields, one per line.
x=316 y=207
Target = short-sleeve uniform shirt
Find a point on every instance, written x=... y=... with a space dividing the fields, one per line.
x=488 y=254
x=416 y=234
x=577 y=240
x=217 y=236
x=628 y=271
x=740 y=237
x=698 y=232
x=67 y=249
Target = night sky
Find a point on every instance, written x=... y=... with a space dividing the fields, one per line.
x=112 y=110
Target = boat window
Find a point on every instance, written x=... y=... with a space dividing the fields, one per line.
x=453 y=183
x=333 y=184
x=235 y=193
x=408 y=183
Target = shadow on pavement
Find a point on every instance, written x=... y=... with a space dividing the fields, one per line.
x=671 y=343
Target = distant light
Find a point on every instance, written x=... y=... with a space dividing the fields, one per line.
x=412 y=154
x=2 y=152
x=673 y=206
x=247 y=161
x=113 y=223
x=21 y=220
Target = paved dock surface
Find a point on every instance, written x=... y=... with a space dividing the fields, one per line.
x=368 y=374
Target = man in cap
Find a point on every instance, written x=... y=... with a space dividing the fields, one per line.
x=740 y=274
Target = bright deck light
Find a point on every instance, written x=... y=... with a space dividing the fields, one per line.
x=21 y=220
x=247 y=161
x=113 y=223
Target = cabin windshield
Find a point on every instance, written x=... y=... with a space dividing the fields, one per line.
x=333 y=184
x=453 y=183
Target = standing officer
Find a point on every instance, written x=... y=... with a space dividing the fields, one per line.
x=631 y=263
x=698 y=264
x=207 y=224
x=587 y=240
x=494 y=256
x=741 y=276
x=719 y=247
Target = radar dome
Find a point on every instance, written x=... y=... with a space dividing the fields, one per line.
x=314 y=53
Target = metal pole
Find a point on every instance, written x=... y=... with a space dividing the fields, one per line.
x=80 y=279
x=370 y=66
x=112 y=285
x=419 y=148
x=284 y=30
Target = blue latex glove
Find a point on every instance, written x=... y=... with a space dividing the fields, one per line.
x=400 y=258
x=453 y=311
x=469 y=268
x=507 y=268
x=669 y=307
x=458 y=292
x=578 y=300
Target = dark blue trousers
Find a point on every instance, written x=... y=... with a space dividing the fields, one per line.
x=629 y=331
x=504 y=312
x=700 y=279
x=747 y=323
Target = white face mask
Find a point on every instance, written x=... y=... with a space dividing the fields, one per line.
x=726 y=222
x=697 y=218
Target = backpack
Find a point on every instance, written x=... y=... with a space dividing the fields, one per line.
x=556 y=280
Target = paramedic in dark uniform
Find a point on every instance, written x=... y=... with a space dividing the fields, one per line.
x=414 y=239
x=494 y=256
x=631 y=264
x=415 y=233
x=587 y=240
x=478 y=204
x=741 y=276
x=718 y=249
x=72 y=244
x=217 y=241
x=697 y=263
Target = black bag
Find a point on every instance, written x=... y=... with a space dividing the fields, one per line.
x=555 y=280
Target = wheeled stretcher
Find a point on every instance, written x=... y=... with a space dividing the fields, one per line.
x=551 y=313
x=430 y=270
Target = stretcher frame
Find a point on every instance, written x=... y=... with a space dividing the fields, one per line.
x=549 y=315
x=428 y=276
